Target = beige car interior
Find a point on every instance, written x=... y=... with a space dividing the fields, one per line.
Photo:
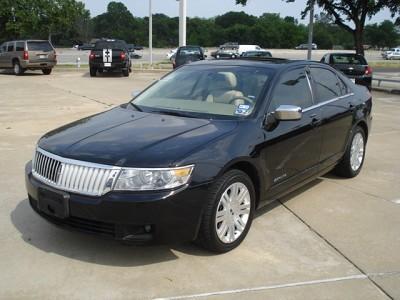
x=223 y=89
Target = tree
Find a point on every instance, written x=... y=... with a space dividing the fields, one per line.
x=382 y=35
x=356 y=12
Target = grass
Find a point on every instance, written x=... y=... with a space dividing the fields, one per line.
x=385 y=64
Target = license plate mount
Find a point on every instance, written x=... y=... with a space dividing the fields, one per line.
x=53 y=203
x=107 y=64
x=42 y=56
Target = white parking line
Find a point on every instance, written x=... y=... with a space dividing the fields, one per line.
x=268 y=287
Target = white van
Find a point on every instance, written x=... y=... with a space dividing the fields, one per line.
x=245 y=48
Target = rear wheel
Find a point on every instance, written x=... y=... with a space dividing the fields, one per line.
x=93 y=72
x=46 y=71
x=229 y=212
x=353 y=159
x=18 y=70
x=125 y=72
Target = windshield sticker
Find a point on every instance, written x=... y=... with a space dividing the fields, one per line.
x=242 y=109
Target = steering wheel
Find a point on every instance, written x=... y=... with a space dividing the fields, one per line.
x=245 y=99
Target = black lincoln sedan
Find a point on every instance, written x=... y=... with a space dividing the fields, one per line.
x=196 y=153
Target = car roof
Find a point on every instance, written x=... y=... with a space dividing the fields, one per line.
x=270 y=63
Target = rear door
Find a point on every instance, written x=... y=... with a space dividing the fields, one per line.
x=40 y=51
x=9 y=55
x=335 y=100
x=3 y=51
x=292 y=149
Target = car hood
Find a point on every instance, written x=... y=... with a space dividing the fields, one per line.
x=125 y=137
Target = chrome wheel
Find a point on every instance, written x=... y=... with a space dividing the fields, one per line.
x=357 y=151
x=233 y=212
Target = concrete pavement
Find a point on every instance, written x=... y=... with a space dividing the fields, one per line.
x=333 y=239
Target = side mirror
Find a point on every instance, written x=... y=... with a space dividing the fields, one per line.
x=134 y=94
x=288 y=113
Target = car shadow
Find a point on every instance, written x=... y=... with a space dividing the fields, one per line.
x=27 y=73
x=104 y=75
x=83 y=247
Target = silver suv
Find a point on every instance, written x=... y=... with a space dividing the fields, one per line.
x=28 y=55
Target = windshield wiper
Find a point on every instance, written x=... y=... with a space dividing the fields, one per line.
x=173 y=113
x=135 y=106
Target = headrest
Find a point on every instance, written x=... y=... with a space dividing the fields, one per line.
x=224 y=80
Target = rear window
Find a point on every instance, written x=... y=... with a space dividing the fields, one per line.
x=40 y=46
x=121 y=45
x=352 y=59
x=189 y=51
x=10 y=47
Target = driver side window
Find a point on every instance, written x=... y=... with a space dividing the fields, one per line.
x=292 y=89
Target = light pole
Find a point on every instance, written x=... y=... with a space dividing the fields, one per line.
x=151 y=32
x=182 y=22
x=310 y=30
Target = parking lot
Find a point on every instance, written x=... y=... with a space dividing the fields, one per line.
x=333 y=239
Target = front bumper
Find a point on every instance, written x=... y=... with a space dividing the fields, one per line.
x=134 y=217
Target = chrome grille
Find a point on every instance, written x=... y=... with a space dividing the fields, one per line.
x=73 y=175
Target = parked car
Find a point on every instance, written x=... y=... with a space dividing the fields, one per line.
x=260 y=53
x=25 y=55
x=353 y=65
x=393 y=53
x=195 y=154
x=110 y=55
x=245 y=48
x=86 y=46
x=188 y=54
x=305 y=46
x=226 y=52
x=171 y=53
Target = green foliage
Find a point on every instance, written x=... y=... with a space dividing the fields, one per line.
x=56 y=19
x=382 y=35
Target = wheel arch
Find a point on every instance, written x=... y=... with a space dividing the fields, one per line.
x=363 y=126
x=250 y=170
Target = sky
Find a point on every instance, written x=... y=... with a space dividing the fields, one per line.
x=212 y=8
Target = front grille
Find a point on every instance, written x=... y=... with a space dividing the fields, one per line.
x=73 y=175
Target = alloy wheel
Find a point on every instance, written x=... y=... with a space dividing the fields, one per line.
x=357 y=151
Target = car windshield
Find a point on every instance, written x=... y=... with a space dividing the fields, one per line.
x=40 y=46
x=206 y=91
x=352 y=59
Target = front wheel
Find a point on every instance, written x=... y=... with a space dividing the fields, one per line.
x=353 y=159
x=229 y=212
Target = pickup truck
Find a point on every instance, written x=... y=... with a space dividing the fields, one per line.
x=110 y=55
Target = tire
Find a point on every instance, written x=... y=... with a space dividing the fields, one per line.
x=46 y=71
x=216 y=235
x=125 y=72
x=350 y=167
x=93 y=72
x=18 y=70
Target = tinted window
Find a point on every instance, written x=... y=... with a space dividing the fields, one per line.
x=326 y=84
x=257 y=54
x=190 y=51
x=3 y=47
x=348 y=58
x=292 y=89
x=10 y=47
x=121 y=45
x=40 y=46
x=20 y=46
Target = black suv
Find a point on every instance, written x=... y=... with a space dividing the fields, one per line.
x=353 y=65
x=195 y=154
x=110 y=55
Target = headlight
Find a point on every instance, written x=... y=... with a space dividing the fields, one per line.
x=152 y=179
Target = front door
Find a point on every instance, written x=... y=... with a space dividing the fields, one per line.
x=292 y=149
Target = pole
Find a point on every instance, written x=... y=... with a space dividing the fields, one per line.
x=182 y=22
x=151 y=32
x=310 y=30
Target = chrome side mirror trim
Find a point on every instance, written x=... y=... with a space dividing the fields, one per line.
x=288 y=113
